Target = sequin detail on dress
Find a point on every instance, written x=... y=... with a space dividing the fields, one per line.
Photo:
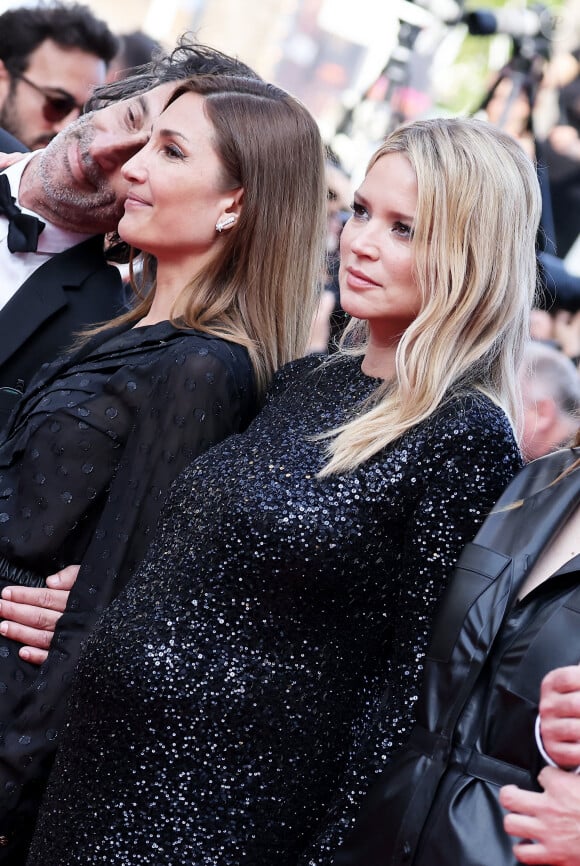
x=231 y=696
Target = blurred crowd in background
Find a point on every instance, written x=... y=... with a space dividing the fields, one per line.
x=362 y=71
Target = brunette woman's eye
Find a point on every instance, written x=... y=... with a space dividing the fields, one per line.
x=173 y=151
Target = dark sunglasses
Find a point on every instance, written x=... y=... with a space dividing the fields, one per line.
x=57 y=103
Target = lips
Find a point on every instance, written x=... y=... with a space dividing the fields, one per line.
x=133 y=200
x=358 y=279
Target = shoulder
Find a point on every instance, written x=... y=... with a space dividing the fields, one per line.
x=10 y=144
x=80 y=261
x=294 y=374
x=82 y=281
x=202 y=349
x=540 y=474
x=198 y=359
x=469 y=433
x=472 y=415
x=156 y=351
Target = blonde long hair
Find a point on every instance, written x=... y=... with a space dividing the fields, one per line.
x=260 y=288
x=478 y=210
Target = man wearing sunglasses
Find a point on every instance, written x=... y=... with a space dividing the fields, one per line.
x=51 y=58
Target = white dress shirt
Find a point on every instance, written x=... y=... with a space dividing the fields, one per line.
x=15 y=268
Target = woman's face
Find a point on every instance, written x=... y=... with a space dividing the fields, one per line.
x=176 y=195
x=376 y=257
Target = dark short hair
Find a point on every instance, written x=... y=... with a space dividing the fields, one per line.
x=187 y=59
x=23 y=29
x=135 y=50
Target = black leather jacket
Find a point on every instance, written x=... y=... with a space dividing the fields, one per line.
x=437 y=802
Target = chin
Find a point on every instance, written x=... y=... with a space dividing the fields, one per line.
x=351 y=307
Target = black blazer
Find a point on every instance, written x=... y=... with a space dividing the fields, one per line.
x=72 y=291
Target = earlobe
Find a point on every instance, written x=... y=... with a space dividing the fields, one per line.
x=3 y=71
x=225 y=223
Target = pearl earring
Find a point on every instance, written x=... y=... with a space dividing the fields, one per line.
x=220 y=226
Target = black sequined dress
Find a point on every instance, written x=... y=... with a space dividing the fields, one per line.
x=221 y=701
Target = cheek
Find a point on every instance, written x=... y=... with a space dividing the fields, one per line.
x=407 y=274
x=117 y=183
x=398 y=265
x=345 y=238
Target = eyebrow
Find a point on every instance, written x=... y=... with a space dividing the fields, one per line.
x=359 y=198
x=171 y=133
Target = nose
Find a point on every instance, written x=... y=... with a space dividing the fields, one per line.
x=364 y=241
x=134 y=169
x=111 y=151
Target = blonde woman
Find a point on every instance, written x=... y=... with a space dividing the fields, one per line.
x=231 y=695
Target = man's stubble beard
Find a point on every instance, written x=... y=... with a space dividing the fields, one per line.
x=95 y=211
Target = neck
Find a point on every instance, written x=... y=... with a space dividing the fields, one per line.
x=30 y=192
x=168 y=287
x=379 y=361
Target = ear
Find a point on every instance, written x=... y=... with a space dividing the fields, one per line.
x=546 y=414
x=5 y=80
x=231 y=207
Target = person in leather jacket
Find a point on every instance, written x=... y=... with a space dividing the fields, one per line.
x=510 y=616
x=548 y=824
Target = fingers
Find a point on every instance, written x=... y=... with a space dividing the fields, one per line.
x=547 y=824
x=524 y=826
x=26 y=615
x=33 y=655
x=35 y=637
x=521 y=822
x=561 y=739
x=7 y=159
x=63 y=579
x=43 y=599
x=563 y=787
x=560 y=681
x=518 y=800
x=560 y=715
x=29 y=615
x=531 y=852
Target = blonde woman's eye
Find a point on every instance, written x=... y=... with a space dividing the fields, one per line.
x=402 y=229
x=358 y=211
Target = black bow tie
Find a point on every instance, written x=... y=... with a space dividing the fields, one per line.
x=23 y=230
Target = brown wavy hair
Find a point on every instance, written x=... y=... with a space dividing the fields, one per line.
x=260 y=288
